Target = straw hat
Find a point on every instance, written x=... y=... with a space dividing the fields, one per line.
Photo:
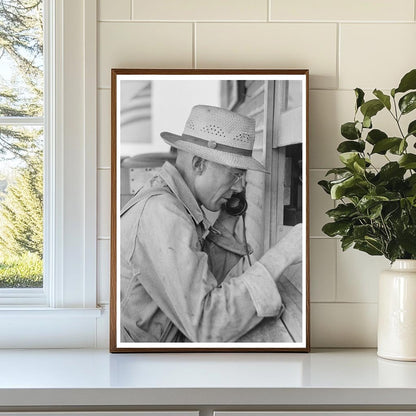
x=219 y=135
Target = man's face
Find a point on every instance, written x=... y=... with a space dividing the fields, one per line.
x=217 y=184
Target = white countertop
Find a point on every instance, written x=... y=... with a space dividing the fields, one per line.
x=96 y=377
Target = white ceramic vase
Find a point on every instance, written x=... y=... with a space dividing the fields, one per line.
x=397 y=312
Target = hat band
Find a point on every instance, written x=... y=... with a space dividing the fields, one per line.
x=211 y=144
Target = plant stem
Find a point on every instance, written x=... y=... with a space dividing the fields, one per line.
x=400 y=128
x=397 y=118
x=387 y=232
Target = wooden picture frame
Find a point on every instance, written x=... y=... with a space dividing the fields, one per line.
x=145 y=102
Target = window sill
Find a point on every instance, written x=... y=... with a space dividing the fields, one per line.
x=35 y=311
x=40 y=327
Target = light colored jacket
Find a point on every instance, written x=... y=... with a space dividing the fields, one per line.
x=173 y=269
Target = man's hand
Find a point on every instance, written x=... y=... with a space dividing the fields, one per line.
x=291 y=244
x=226 y=221
x=286 y=252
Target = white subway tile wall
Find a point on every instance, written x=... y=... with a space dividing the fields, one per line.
x=355 y=10
x=357 y=275
x=103 y=271
x=319 y=203
x=385 y=51
x=200 y=10
x=323 y=269
x=345 y=44
x=114 y=10
x=104 y=202
x=104 y=128
x=145 y=45
x=349 y=325
x=270 y=45
x=328 y=109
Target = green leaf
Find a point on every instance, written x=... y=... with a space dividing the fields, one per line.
x=359 y=94
x=411 y=130
x=342 y=179
x=333 y=229
x=338 y=171
x=371 y=108
x=349 y=158
x=407 y=239
x=408 y=161
x=393 y=92
x=368 y=248
x=394 y=251
x=350 y=187
x=325 y=186
x=383 y=145
x=349 y=131
x=361 y=231
x=342 y=211
x=408 y=82
x=367 y=122
x=412 y=201
x=375 y=212
x=408 y=102
x=385 y=99
x=374 y=242
x=391 y=170
x=375 y=136
x=338 y=189
x=369 y=201
x=398 y=149
x=411 y=180
x=349 y=146
x=359 y=165
x=411 y=184
x=391 y=212
x=346 y=242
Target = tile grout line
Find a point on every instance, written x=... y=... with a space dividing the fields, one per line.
x=338 y=241
x=352 y=302
x=194 y=45
x=306 y=22
x=336 y=271
x=269 y=10
x=338 y=66
x=131 y=9
x=323 y=237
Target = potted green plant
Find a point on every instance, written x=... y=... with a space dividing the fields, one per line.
x=376 y=206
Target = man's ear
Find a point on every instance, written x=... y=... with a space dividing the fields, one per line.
x=199 y=165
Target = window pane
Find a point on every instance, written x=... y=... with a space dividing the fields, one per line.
x=21 y=58
x=21 y=206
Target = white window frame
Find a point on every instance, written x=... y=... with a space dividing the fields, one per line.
x=64 y=313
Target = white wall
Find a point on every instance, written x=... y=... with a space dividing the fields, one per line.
x=345 y=44
x=172 y=101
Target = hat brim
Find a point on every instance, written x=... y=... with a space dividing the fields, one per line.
x=214 y=155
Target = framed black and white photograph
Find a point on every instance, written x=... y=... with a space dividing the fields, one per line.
x=209 y=210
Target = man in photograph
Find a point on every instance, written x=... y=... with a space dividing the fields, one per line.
x=183 y=280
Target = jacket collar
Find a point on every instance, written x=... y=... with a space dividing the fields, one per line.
x=178 y=186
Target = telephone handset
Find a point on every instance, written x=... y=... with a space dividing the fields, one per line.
x=237 y=204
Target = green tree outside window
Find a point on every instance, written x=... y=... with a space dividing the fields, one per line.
x=21 y=143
